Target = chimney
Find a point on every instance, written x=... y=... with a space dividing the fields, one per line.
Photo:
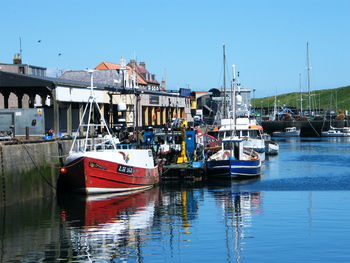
x=132 y=63
x=17 y=59
x=163 y=85
x=143 y=64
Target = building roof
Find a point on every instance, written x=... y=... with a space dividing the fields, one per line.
x=21 y=65
x=39 y=84
x=107 y=65
x=106 y=77
x=144 y=72
x=113 y=66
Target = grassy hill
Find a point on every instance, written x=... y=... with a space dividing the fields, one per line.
x=327 y=99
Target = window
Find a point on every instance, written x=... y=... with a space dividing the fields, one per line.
x=228 y=145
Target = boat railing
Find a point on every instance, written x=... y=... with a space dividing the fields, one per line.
x=101 y=144
x=91 y=144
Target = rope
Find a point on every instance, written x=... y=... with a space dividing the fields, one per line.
x=324 y=120
x=313 y=128
x=73 y=163
x=37 y=167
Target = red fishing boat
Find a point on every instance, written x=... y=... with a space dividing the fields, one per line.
x=96 y=165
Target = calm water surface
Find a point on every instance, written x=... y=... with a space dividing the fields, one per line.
x=297 y=212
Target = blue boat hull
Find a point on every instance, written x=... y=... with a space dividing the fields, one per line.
x=234 y=168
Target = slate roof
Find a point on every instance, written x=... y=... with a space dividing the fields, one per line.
x=14 y=81
x=144 y=72
x=105 y=77
x=112 y=66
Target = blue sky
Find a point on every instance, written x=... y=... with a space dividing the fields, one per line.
x=266 y=39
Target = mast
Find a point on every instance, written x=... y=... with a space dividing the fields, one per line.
x=224 y=104
x=308 y=75
x=90 y=108
x=234 y=98
x=20 y=47
x=275 y=107
x=301 y=94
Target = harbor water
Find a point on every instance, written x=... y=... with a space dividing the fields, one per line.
x=298 y=211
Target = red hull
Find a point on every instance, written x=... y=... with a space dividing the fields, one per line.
x=90 y=175
x=93 y=213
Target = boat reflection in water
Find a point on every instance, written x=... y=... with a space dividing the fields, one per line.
x=238 y=210
x=107 y=226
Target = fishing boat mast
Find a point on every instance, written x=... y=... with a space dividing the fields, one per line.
x=234 y=98
x=275 y=107
x=301 y=94
x=308 y=75
x=91 y=103
x=224 y=111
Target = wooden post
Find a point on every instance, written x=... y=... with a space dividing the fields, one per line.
x=27 y=133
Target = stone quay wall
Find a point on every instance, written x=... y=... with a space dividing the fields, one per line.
x=29 y=170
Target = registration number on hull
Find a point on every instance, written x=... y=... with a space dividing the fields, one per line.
x=125 y=169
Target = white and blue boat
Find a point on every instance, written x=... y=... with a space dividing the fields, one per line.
x=233 y=161
x=337 y=132
x=288 y=132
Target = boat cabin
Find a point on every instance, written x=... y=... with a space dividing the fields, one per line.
x=168 y=141
x=232 y=148
x=248 y=133
x=290 y=129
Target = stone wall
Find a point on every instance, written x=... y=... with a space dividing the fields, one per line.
x=29 y=170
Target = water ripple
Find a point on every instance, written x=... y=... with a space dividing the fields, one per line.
x=323 y=183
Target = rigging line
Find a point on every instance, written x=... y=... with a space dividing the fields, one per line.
x=30 y=157
x=324 y=120
x=313 y=128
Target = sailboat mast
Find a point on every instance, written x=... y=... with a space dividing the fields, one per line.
x=234 y=98
x=301 y=94
x=275 y=106
x=224 y=104
x=308 y=75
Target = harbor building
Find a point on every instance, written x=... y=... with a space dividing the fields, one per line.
x=122 y=99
